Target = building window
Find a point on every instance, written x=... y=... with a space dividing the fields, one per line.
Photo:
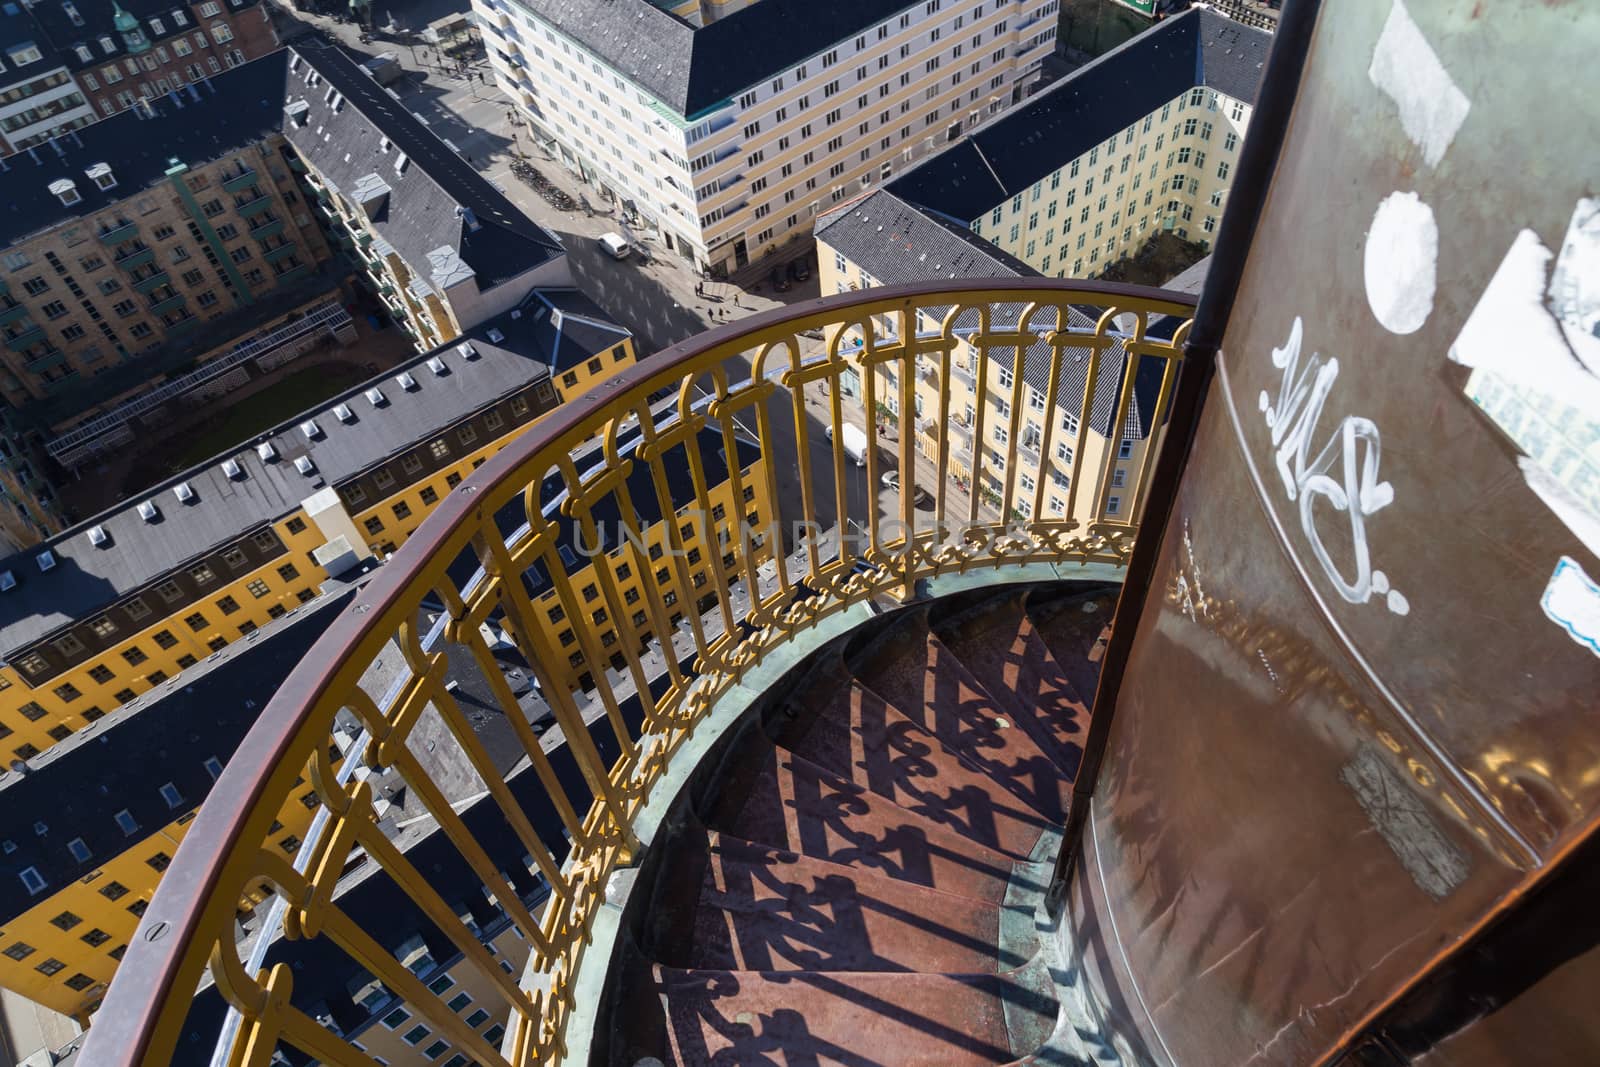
x=402 y=510
x=164 y=639
x=52 y=965
x=288 y=572
x=65 y=921
x=195 y=621
x=67 y=692
x=135 y=655
x=113 y=890
x=100 y=673
x=227 y=605
x=160 y=861
x=258 y=588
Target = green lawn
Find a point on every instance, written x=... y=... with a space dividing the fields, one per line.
x=261 y=411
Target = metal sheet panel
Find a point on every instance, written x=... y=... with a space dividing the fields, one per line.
x=1360 y=721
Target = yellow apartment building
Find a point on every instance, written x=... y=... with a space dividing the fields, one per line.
x=116 y=605
x=881 y=240
x=88 y=828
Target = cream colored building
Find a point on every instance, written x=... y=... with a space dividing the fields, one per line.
x=1145 y=138
x=1012 y=428
x=728 y=128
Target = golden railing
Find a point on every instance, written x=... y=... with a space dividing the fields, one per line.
x=772 y=385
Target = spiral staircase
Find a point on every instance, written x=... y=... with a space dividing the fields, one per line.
x=859 y=866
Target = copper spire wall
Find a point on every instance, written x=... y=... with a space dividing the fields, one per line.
x=1357 y=726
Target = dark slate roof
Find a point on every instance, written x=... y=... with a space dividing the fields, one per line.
x=1025 y=143
x=86 y=578
x=694 y=69
x=76 y=788
x=425 y=203
x=17 y=27
x=559 y=327
x=97 y=20
x=899 y=245
x=204 y=121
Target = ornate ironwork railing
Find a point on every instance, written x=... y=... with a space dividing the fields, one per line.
x=1084 y=372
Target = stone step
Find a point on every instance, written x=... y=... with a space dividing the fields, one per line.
x=858 y=735
x=998 y=643
x=926 y=681
x=857 y=1018
x=775 y=797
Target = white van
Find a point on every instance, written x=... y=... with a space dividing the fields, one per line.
x=615 y=246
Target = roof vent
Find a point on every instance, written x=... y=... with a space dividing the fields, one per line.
x=266 y=452
x=47 y=560
x=375 y=397
x=8 y=581
x=405 y=379
x=98 y=536
x=148 y=510
x=344 y=413
x=184 y=492
x=436 y=365
x=311 y=429
x=466 y=351
x=304 y=465
x=231 y=468
x=495 y=335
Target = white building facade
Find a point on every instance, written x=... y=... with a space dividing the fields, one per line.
x=729 y=180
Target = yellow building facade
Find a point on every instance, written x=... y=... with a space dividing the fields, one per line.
x=72 y=675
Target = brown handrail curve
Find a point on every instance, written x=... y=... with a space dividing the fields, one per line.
x=138 y=1022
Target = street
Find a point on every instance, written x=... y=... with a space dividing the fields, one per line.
x=656 y=299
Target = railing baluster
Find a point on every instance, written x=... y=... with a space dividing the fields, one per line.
x=463 y=630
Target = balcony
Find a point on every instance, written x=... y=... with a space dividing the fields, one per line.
x=252 y=208
x=747 y=619
x=11 y=314
x=244 y=179
x=135 y=258
x=267 y=228
x=272 y=255
x=171 y=303
x=151 y=282
x=115 y=235
x=47 y=361
x=26 y=338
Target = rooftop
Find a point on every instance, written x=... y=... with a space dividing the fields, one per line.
x=694 y=69
x=1026 y=143
x=94 y=24
x=201 y=122
x=431 y=205
x=229 y=503
x=75 y=791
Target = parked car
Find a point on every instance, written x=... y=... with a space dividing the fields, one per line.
x=615 y=245
x=798 y=269
x=779 y=280
x=919 y=495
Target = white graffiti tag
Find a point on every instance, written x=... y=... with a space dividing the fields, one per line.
x=1354 y=445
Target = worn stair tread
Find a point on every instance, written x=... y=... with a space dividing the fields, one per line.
x=778 y=798
x=854 y=1018
x=1075 y=630
x=925 y=680
x=1000 y=645
x=810 y=915
x=860 y=736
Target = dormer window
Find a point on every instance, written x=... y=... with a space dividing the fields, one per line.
x=66 y=190
x=157 y=28
x=101 y=175
x=108 y=46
